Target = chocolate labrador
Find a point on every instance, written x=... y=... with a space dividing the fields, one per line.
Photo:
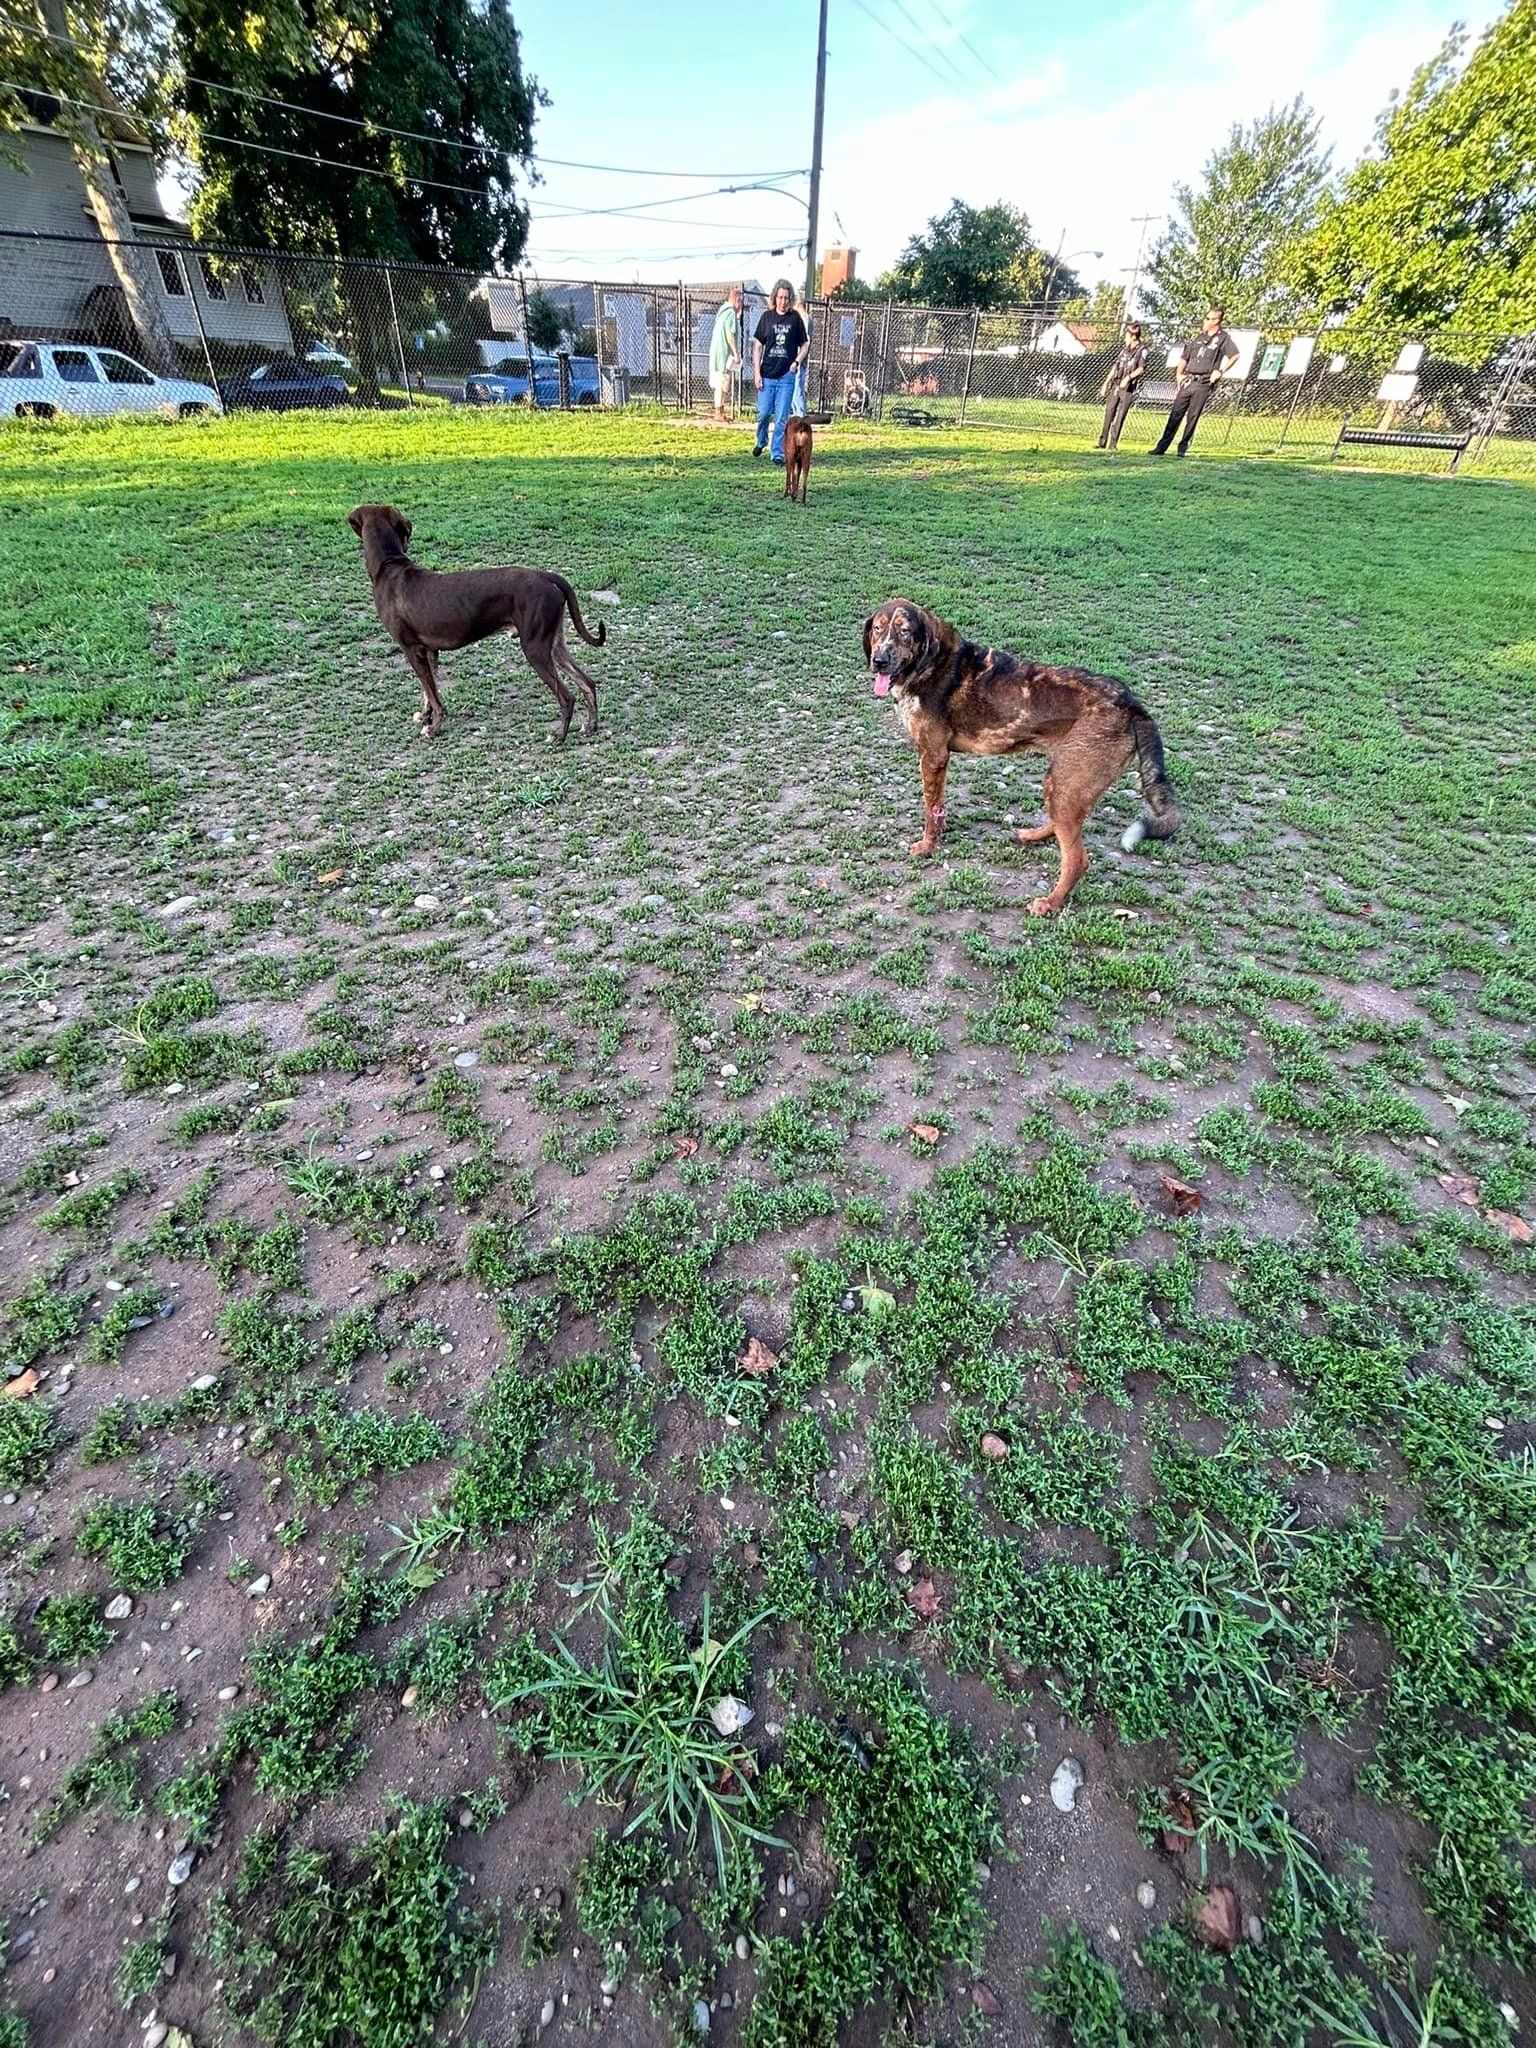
x=428 y=613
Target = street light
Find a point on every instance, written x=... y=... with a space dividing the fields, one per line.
x=1056 y=262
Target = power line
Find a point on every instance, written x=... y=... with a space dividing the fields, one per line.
x=886 y=29
x=907 y=15
x=960 y=36
x=547 y=207
x=372 y=127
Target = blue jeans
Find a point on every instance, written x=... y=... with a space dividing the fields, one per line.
x=797 y=403
x=773 y=404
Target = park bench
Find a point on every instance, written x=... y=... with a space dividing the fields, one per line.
x=1454 y=445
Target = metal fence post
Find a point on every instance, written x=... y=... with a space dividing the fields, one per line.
x=656 y=344
x=405 y=374
x=684 y=354
x=597 y=338
x=881 y=359
x=533 y=382
x=197 y=315
x=970 y=360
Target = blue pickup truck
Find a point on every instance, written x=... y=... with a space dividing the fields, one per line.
x=507 y=384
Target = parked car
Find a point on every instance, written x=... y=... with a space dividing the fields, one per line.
x=282 y=383
x=42 y=380
x=322 y=352
x=507 y=384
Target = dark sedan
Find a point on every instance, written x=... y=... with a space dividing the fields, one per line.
x=282 y=383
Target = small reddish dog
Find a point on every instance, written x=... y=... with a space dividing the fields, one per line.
x=954 y=697
x=797 y=456
x=428 y=614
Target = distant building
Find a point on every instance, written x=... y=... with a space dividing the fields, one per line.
x=837 y=267
x=1069 y=338
x=65 y=289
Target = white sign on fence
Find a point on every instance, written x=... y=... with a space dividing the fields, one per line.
x=1409 y=356
x=1397 y=389
x=1298 y=356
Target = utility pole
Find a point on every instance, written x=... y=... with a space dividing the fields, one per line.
x=1144 y=220
x=812 y=281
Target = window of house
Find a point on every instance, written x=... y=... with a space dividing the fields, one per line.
x=172 y=276
x=213 y=284
x=123 y=369
x=75 y=366
x=250 y=277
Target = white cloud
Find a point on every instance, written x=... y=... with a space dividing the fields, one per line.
x=1079 y=162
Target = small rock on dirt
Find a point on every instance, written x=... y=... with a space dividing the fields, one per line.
x=730 y=1715
x=179 y=906
x=258 y=1586
x=903 y=1563
x=1253 y=1928
x=547 y=2013
x=1218 y=1923
x=50 y=1682
x=154 y=2037
x=467 y=1059
x=181 y=1869
x=80 y=1678
x=205 y=1383
x=986 y=2001
x=425 y=902
x=993 y=1447
x=743 y=1948
x=1066 y=1783
x=229 y=1692
x=701 y=2015
x=118 y=1608
x=410 y=1696
x=1146 y=1895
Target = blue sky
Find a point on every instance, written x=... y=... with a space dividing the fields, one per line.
x=1084 y=115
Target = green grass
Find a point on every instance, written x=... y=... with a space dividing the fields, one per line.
x=561 y=1393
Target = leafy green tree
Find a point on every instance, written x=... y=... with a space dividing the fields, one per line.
x=977 y=256
x=1227 y=243
x=1438 y=228
x=448 y=69
x=548 y=321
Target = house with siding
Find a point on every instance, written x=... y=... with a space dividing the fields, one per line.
x=56 y=277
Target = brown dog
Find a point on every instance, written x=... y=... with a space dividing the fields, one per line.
x=797 y=456
x=957 y=698
x=428 y=614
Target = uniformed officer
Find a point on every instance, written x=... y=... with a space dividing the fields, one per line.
x=1201 y=359
x=1119 y=387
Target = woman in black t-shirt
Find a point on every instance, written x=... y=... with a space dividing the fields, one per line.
x=779 y=347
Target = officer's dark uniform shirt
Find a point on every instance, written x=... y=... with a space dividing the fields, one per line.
x=1207 y=353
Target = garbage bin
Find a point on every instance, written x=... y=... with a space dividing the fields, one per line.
x=615 y=384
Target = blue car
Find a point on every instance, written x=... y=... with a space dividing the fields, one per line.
x=507 y=384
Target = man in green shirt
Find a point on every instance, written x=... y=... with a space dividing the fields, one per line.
x=725 y=349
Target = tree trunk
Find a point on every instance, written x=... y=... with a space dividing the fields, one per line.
x=135 y=272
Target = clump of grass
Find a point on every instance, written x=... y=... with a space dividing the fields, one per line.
x=637 y=1726
x=368 y=1946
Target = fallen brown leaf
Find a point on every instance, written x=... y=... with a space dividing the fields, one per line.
x=1461 y=1187
x=335 y=875
x=757 y=1359
x=926 y=1134
x=1515 y=1228
x=684 y=1148
x=923 y=1599
x=24 y=1383
x=1185 y=1200
x=1218 y=1923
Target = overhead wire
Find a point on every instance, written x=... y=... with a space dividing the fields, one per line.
x=377 y=127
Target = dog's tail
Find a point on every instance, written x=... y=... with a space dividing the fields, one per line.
x=1160 y=819
x=597 y=639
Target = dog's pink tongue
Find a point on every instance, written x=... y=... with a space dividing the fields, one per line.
x=882 y=686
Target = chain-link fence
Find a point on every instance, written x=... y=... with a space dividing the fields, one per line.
x=261 y=328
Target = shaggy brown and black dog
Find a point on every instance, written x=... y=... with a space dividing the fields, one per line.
x=797 y=456
x=429 y=614
x=957 y=698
